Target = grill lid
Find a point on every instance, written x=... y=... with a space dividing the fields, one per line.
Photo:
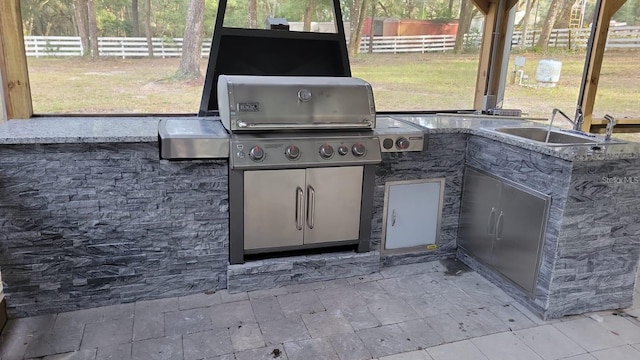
x=294 y=102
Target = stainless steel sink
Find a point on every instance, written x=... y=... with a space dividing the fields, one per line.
x=556 y=137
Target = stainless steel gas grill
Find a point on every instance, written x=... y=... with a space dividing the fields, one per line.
x=302 y=160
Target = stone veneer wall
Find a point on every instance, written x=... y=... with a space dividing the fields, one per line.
x=543 y=173
x=599 y=244
x=87 y=225
x=444 y=158
x=592 y=243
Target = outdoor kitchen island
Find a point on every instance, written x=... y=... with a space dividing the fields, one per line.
x=92 y=217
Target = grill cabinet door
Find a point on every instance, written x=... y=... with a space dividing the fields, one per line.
x=478 y=214
x=519 y=235
x=333 y=204
x=273 y=208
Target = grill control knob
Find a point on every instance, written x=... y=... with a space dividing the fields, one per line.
x=343 y=150
x=387 y=143
x=292 y=152
x=256 y=153
x=402 y=143
x=326 y=151
x=358 y=150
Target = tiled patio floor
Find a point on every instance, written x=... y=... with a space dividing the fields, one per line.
x=402 y=313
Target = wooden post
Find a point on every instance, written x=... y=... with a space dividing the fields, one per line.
x=608 y=8
x=489 y=66
x=13 y=62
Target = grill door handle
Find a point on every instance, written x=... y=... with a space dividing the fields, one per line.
x=299 y=208
x=491 y=222
x=499 y=226
x=311 y=206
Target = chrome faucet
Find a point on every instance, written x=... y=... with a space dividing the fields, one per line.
x=577 y=123
x=611 y=122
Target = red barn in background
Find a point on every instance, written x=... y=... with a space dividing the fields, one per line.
x=408 y=27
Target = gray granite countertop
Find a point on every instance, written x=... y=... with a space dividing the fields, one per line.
x=61 y=129
x=58 y=130
x=481 y=125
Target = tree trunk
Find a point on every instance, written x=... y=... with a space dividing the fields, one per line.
x=192 y=43
x=308 y=14
x=545 y=33
x=147 y=27
x=464 y=24
x=93 y=28
x=525 y=23
x=82 y=23
x=253 y=14
x=357 y=19
x=135 y=19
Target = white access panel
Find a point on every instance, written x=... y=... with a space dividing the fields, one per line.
x=413 y=211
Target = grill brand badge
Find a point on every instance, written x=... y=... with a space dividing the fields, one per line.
x=249 y=107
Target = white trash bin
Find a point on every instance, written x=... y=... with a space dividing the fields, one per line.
x=548 y=73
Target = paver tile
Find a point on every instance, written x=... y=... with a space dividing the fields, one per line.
x=386 y=340
x=349 y=347
x=119 y=311
x=198 y=300
x=625 y=352
x=232 y=314
x=326 y=323
x=371 y=292
x=479 y=322
x=201 y=345
x=156 y=306
x=456 y=351
x=589 y=334
x=411 y=355
x=166 y=348
x=246 y=336
x=187 y=321
x=265 y=353
x=86 y=354
x=504 y=346
x=29 y=325
x=340 y=297
x=148 y=326
x=391 y=311
x=310 y=349
x=420 y=333
x=55 y=341
x=107 y=333
x=281 y=330
x=549 y=342
x=114 y=352
x=360 y=317
x=511 y=316
x=447 y=327
x=306 y=302
x=79 y=317
x=266 y=308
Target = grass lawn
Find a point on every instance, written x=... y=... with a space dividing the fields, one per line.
x=431 y=81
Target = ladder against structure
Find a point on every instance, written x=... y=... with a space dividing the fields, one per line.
x=576 y=16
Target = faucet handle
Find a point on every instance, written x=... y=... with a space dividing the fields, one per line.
x=610 y=120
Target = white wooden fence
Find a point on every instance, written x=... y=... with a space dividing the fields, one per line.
x=38 y=46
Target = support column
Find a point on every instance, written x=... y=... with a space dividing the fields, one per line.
x=607 y=9
x=492 y=47
x=16 y=90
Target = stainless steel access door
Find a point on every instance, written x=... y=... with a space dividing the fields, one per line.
x=273 y=204
x=520 y=228
x=289 y=208
x=480 y=196
x=333 y=204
